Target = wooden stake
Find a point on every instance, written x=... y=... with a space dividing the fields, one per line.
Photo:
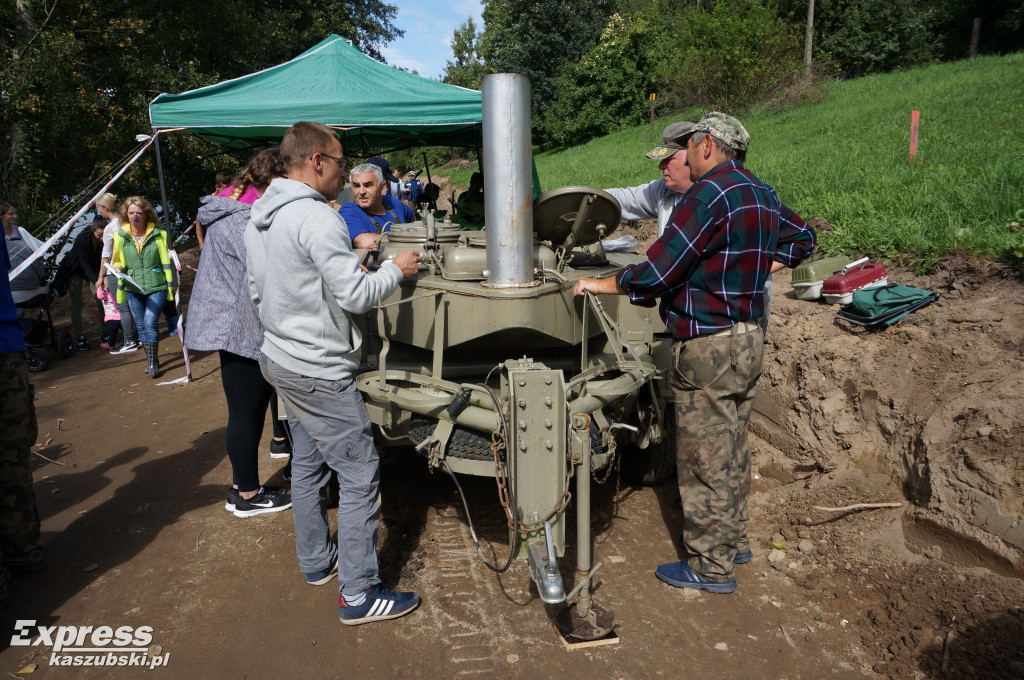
x=975 y=33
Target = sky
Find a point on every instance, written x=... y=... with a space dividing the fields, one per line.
x=428 y=30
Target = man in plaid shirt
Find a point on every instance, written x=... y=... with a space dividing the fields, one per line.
x=708 y=268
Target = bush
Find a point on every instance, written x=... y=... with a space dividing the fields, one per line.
x=730 y=58
x=606 y=90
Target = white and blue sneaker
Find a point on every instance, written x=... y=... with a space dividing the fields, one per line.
x=324 y=576
x=379 y=604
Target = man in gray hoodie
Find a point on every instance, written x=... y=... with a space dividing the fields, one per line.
x=306 y=283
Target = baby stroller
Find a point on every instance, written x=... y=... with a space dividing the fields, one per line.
x=40 y=327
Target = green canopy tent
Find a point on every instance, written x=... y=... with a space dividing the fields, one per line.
x=375 y=108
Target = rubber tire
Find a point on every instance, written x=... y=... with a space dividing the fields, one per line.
x=65 y=344
x=657 y=463
x=468 y=444
x=36 y=359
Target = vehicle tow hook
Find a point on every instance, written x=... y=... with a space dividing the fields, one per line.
x=544 y=567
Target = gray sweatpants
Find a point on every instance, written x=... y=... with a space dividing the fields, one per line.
x=331 y=431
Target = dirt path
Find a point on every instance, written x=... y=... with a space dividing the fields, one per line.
x=137 y=535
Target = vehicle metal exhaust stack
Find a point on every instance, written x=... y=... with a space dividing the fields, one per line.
x=508 y=179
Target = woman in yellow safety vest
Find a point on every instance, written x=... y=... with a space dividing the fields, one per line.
x=140 y=253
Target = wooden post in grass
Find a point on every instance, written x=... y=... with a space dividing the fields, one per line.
x=975 y=32
x=915 y=117
x=809 y=38
x=652 y=107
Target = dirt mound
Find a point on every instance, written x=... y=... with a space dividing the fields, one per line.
x=936 y=401
x=929 y=412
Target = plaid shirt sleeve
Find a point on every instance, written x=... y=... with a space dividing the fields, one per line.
x=797 y=239
x=672 y=258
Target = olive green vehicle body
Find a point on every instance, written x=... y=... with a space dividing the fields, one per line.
x=566 y=373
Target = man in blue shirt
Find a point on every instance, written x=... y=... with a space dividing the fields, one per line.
x=372 y=213
x=20 y=549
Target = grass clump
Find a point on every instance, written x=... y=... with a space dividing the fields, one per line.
x=846 y=159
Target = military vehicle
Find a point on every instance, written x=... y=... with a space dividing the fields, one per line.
x=488 y=364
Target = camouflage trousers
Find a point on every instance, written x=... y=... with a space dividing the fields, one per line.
x=714 y=380
x=19 y=518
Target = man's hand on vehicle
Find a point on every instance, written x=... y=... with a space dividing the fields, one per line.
x=408 y=262
x=607 y=286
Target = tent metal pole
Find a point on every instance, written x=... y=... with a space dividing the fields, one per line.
x=433 y=201
x=160 y=174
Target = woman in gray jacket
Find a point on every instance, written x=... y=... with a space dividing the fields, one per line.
x=222 y=318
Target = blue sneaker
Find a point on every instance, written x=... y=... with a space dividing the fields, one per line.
x=381 y=604
x=680 y=575
x=319 y=578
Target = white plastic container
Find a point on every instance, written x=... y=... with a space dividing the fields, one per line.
x=808 y=277
x=808 y=291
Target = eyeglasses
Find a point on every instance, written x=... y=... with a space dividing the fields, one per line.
x=342 y=162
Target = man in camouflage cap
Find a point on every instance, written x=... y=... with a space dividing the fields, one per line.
x=729 y=131
x=708 y=269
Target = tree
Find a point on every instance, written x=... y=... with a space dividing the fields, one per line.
x=730 y=57
x=607 y=88
x=466 y=69
x=76 y=80
x=540 y=38
x=1002 y=26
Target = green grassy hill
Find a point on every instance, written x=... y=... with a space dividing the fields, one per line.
x=846 y=159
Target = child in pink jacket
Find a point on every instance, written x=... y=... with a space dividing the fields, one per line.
x=110 y=316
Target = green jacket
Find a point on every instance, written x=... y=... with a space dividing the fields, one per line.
x=147 y=264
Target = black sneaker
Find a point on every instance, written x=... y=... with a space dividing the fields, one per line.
x=381 y=604
x=280 y=449
x=263 y=502
x=233 y=495
x=83 y=343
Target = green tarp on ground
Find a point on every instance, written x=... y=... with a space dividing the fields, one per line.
x=376 y=108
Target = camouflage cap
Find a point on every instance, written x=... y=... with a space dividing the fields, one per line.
x=672 y=139
x=726 y=128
